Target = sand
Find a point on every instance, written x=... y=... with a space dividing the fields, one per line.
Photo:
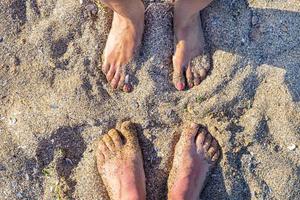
x=55 y=102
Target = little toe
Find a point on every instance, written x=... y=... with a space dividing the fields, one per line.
x=103 y=148
x=189 y=77
x=115 y=81
x=105 y=67
x=207 y=141
x=100 y=157
x=111 y=73
x=216 y=156
x=197 y=79
x=116 y=138
x=108 y=142
x=128 y=130
x=202 y=73
x=100 y=160
x=211 y=152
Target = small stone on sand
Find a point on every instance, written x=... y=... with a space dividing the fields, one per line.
x=292 y=147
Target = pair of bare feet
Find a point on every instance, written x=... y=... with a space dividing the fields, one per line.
x=126 y=34
x=120 y=163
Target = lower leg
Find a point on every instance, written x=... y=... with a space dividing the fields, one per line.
x=185 y=9
x=125 y=8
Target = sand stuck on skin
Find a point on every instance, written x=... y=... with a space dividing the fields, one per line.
x=55 y=102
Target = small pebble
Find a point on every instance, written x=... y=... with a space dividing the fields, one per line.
x=12 y=121
x=27 y=177
x=292 y=147
x=126 y=79
x=69 y=161
x=86 y=62
x=254 y=20
x=17 y=61
x=91 y=8
x=19 y=195
x=1 y=39
x=53 y=106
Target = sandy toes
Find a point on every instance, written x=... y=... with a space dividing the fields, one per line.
x=195 y=154
x=120 y=164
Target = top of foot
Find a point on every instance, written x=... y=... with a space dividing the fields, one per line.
x=120 y=163
x=195 y=154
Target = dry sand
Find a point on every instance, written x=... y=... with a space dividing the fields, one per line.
x=55 y=102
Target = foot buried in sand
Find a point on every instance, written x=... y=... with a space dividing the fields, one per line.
x=190 y=61
x=195 y=154
x=120 y=164
x=123 y=41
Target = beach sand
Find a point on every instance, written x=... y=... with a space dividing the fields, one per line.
x=55 y=102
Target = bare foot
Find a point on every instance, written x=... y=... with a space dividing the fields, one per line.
x=195 y=154
x=190 y=62
x=123 y=41
x=120 y=164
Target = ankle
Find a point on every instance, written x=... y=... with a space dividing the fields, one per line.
x=133 y=196
x=185 y=188
x=184 y=22
x=132 y=190
x=134 y=12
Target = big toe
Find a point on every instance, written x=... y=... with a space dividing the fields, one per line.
x=178 y=75
x=191 y=132
x=128 y=130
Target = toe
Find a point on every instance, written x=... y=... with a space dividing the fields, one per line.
x=111 y=73
x=191 y=132
x=105 y=67
x=189 y=77
x=128 y=130
x=200 y=139
x=100 y=159
x=207 y=141
x=197 y=79
x=103 y=149
x=211 y=152
x=108 y=142
x=202 y=73
x=115 y=81
x=121 y=81
x=178 y=77
x=216 y=156
x=116 y=138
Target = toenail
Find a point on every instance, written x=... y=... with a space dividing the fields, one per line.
x=127 y=88
x=180 y=86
